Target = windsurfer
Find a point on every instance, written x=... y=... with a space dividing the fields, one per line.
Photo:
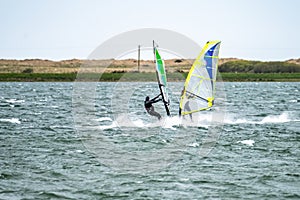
x=149 y=107
x=186 y=105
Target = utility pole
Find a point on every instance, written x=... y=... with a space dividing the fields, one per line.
x=139 y=50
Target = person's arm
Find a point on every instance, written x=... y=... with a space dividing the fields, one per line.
x=155 y=97
x=154 y=101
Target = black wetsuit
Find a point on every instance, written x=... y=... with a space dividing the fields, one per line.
x=150 y=108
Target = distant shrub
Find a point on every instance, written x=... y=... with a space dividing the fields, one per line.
x=243 y=66
x=178 y=61
x=27 y=70
x=179 y=71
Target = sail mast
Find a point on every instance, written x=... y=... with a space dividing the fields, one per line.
x=161 y=78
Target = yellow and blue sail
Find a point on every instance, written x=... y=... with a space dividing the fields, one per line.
x=162 y=79
x=199 y=88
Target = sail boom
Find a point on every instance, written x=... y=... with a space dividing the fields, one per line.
x=197 y=96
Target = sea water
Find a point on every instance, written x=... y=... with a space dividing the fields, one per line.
x=95 y=141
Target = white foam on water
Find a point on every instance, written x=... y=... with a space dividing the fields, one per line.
x=43 y=100
x=202 y=120
x=282 y=118
x=238 y=121
x=184 y=179
x=247 y=142
x=15 y=101
x=12 y=120
x=164 y=141
x=175 y=121
x=104 y=127
x=195 y=144
x=124 y=120
x=101 y=119
x=293 y=101
x=139 y=123
x=170 y=122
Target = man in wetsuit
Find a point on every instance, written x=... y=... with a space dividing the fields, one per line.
x=149 y=107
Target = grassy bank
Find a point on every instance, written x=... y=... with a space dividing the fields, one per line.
x=280 y=77
x=150 y=76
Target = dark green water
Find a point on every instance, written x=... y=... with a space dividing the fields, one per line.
x=54 y=146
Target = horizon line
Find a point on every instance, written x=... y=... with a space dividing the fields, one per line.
x=83 y=59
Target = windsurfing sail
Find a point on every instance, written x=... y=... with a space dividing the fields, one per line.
x=199 y=89
x=161 y=78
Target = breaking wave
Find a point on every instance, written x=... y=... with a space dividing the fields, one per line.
x=282 y=118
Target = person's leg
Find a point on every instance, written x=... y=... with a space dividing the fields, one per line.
x=153 y=113
x=187 y=107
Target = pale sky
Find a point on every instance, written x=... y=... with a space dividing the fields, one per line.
x=65 y=29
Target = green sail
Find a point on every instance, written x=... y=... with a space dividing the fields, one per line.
x=162 y=79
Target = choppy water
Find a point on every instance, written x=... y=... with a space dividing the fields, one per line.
x=117 y=151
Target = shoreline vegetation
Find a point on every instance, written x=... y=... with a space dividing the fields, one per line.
x=231 y=69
